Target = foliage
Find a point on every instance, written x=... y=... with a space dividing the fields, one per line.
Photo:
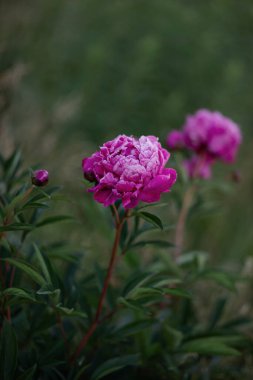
x=84 y=71
x=150 y=324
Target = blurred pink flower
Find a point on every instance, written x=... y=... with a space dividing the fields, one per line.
x=175 y=140
x=213 y=134
x=129 y=169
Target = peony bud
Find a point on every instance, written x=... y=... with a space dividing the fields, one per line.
x=40 y=177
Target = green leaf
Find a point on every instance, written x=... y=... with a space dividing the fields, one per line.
x=62 y=255
x=150 y=218
x=237 y=322
x=132 y=328
x=12 y=165
x=158 y=243
x=222 y=278
x=82 y=370
x=53 y=294
x=124 y=234
x=16 y=201
x=17 y=227
x=197 y=259
x=135 y=282
x=209 y=346
x=144 y=292
x=152 y=281
x=46 y=193
x=217 y=312
x=100 y=275
x=28 y=269
x=156 y=204
x=114 y=365
x=8 y=352
x=65 y=311
x=162 y=281
x=40 y=196
x=42 y=264
x=147 y=228
x=151 y=291
x=172 y=336
x=48 y=290
x=178 y=292
x=53 y=219
x=32 y=205
x=133 y=305
x=28 y=374
x=19 y=293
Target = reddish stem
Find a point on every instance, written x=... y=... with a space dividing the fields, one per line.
x=95 y=322
x=2 y=277
x=12 y=276
x=8 y=218
x=187 y=202
x=63 y=333
x=8 y=314
x=27 y=193
x=180 y=228
x=10 y=285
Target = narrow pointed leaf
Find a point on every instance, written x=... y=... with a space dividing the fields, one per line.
x=29 y=270
x=42 y=264
x=53 y=219
x=28 y=374
x=209 y=346
x=151 y=218
x=158 y=243
x=17 y=227
x=114 y=365
x=19 y=293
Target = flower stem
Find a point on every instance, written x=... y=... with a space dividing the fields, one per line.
x=187 y=202
x=180 y=228
x=62 y=330
x=96 y=320
x=10 y=213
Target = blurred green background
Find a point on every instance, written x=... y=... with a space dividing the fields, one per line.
x=75 y=73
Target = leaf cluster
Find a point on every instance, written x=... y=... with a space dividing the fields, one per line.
x=150 y=325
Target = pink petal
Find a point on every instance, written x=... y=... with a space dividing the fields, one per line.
x=150 y=197
x=105 y=196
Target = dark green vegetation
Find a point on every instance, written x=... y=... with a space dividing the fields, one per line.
x=159 y=319
x=75 y=73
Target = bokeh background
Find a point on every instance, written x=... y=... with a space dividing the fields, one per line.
x=75 y=73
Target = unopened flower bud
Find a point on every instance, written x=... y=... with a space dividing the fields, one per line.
x=88 y=171
x=40 y=177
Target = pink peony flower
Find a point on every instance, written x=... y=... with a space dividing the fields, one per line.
x=213 y=134
x=175 y=140
x=129 y=169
